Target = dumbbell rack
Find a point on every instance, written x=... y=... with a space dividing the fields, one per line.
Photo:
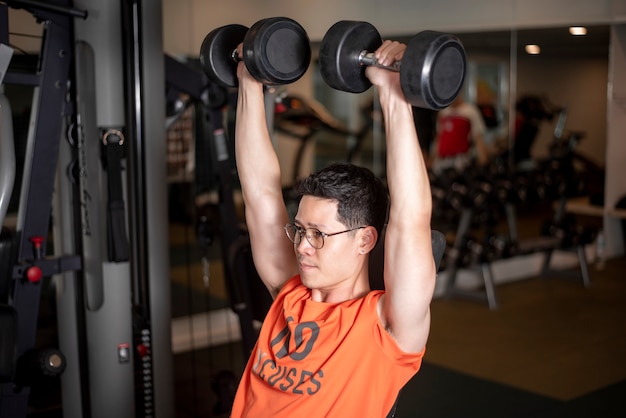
x=540 y=244
x=454 y=263
x=549 y=244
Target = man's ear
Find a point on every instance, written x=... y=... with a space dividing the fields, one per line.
x=368 y=240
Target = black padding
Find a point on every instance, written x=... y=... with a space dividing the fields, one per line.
x=8 y=319
x=7 y=245
x=8 y=342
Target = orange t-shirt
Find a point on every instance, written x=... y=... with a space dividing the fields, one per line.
x=317 y=359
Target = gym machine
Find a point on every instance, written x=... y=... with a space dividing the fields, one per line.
x=210 y=100
x=103 y=185
x=27 y=250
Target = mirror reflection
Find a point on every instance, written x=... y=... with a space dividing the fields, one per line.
x=540 y=98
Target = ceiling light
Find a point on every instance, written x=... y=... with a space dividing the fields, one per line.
x=532 y=49
x=578 y=30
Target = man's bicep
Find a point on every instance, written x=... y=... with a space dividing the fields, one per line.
x=272 y=252
x=409 y=283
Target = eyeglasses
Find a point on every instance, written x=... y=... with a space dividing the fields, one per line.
x=314 y=236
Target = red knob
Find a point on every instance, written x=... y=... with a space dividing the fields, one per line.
x=280 y=108
x=142 y=350
x=37 y=241
x=33 y=274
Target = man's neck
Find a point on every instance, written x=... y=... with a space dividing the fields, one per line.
x=343 y=293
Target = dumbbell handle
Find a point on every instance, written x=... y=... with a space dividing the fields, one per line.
x=235 y=55
x=369 y=59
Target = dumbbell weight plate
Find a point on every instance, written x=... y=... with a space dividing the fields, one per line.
x=339 y=55
x=277 y=51
x=432 y=70
x=216 y=54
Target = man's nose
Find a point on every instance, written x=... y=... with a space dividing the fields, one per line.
x=304 y=246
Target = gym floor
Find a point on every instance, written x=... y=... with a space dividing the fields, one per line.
x=553 y=348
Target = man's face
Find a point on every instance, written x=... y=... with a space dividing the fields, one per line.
x=338 y=260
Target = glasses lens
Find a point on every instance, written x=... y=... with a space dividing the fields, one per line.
x=315 y=238
x=291 y=232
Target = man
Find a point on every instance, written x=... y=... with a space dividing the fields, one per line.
x=329 y=346
x=460 y=134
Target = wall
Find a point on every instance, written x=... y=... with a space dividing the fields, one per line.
x=25 y=32
x=186 y=22
x=585 y=101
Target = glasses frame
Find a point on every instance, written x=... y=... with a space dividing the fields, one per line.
x=303 y=232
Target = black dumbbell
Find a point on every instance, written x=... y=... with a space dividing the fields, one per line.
x=432 y=71
x=276 y=51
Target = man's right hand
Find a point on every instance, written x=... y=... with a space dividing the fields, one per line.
x=388 y=53
x=244 y=76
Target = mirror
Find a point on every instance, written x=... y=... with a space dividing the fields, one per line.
x=571 y=71
x=487 y=83
x=571 y=74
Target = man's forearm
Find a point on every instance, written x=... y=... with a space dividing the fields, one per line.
x=407 y=176
x=257 y=163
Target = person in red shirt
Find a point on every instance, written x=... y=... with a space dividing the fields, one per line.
x=329 y=345
x=460 y=137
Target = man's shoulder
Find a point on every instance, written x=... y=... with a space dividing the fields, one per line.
x=291 y=284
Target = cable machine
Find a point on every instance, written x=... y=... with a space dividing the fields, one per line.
x=91 y=217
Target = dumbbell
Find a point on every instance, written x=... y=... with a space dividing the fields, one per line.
x=432 y=70
x=276 y=51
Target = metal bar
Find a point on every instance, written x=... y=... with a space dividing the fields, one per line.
x=39 y=172
x=584 y=269
x=136 y=194
x=133 y=61
x=37 y=190
x=54 y=8
x=369 y=59
x=184 y=78
x=487 y=273
x=22 y=79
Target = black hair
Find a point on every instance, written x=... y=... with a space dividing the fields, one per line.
x=362 y=198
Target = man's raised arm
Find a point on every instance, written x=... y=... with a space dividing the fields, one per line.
x=410 y=271
x=259 y=173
